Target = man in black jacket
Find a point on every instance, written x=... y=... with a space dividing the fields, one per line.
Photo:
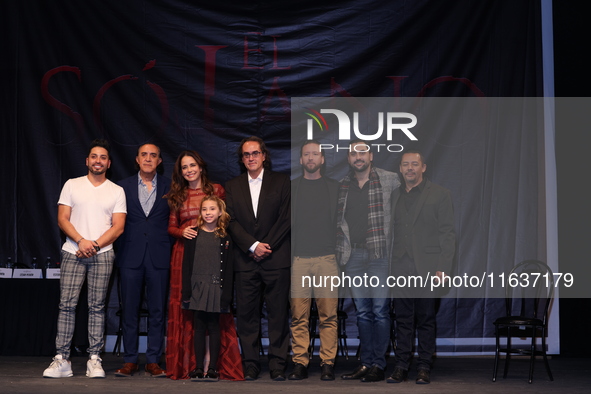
x=259 y=203
x=424 y=244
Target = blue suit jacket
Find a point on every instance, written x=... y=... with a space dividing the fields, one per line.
x=149 y=234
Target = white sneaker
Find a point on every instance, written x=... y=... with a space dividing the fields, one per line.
x=59 y=368
x=94 y=367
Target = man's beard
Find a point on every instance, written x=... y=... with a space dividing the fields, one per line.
x=362 y=168
x=97 y=172
x=313 y=169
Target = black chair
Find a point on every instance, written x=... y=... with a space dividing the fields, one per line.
x=143 y=313
x=342 y=317
x=529 y=290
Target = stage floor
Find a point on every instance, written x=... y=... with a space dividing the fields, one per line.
x=449 y=375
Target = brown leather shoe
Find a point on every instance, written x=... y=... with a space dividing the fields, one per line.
x=155 y=370
x=127 y=370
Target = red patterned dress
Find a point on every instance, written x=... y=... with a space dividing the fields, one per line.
x=180 y=353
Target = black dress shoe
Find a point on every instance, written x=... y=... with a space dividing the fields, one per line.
x=277 y=375
x=211 y=376
x=423 y=376
x=399 y=375
x=251 y=373
x=196 y=374
x=375 y=374
x=359 y=372
x=299 y=372
x=327 y=372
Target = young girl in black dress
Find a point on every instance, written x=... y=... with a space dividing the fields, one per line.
x=207 y=282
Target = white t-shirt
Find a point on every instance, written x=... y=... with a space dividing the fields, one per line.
x=92 y=208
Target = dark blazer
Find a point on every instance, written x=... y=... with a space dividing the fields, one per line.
x=433 y=235
x=226 y=270
x=141 y=231
x=272 y=225
x=333 y=195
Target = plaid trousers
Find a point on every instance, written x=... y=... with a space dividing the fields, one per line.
x=73 y=272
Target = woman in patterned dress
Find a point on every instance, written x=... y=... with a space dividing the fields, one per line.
x=190 y=185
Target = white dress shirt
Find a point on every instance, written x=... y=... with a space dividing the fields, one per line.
x=254 y=184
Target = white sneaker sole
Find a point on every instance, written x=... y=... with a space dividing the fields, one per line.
x=57 y=377
x=95 y=376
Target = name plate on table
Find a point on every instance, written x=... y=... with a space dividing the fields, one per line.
x=5 y=272
x=27 y=273
x=52 y=273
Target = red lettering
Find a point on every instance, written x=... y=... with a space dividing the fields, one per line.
x=160 y=94
x=275 y=66
x=397 y=84
x=149 y=65
x=336 y=88
x=163 y=103
x=55 y=103
x=247 y=50
x=283 y=100
x=96 y=105
x=209 y=87
x=477 y=92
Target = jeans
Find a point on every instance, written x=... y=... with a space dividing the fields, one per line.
x=373 y=306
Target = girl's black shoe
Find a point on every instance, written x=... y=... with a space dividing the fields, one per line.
x=211 y=376
x=196 y=374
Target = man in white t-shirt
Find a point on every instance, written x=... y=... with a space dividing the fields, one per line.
x=91 y=212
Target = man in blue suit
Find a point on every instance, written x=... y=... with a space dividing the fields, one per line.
x=143 y=258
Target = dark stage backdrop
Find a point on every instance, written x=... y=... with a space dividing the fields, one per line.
x=203 y=75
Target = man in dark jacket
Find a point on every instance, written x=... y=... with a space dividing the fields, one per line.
x=143 y=258
x=259 y=204
x=424 y=244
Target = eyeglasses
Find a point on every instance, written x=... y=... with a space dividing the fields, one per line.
x=254 y=154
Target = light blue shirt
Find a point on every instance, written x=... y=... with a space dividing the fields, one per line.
x=147 y=198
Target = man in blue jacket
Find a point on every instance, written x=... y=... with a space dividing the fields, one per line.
x=143 y=258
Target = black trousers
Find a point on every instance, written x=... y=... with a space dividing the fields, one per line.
x=250 y=288
x=413 y=313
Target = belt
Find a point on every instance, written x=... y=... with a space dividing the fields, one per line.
x=358 y=246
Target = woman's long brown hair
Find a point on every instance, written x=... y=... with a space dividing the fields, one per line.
x=178 y=188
